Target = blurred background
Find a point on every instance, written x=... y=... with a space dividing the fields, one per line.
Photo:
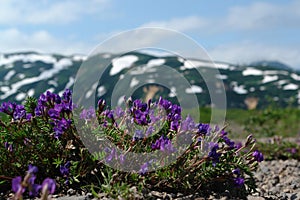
x=255 y=45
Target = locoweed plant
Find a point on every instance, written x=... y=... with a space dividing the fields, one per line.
x=187 y=156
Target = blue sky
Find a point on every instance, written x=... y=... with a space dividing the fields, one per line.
x=232 y=31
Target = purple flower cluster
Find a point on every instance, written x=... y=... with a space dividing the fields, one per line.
x=238 y=180
x=65 y=170
x=140 y=112
x=204 y=129
x=173 y=113
x=113 y=155
x=213 y=154
x=57 y=109
x=258 y=156
x=88 y=114
x=19 y=185
x=164 y=144
x=17 y=112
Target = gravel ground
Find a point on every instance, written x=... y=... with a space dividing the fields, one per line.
x=276 y=179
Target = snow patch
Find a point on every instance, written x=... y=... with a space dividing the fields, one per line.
x=70 y=83
x=30 y=92
x=20 y=96
x=21 y=76
x=9 y=75
x=190 y=64
x=134 y=82
x=252 y=89
x=91 y=91
x=27 y=58
x=52 y=82
x=155 y=62
x=118 y=64
x=251 y=71
x=27 y=66
x=269 y=79
x=194 y=89
x=221 y=76
x=239 y=89
x=101 y=91
x=4 y=89
x=47 y=74
x=79 y=58
x=282 y=82
x=290 y=86
x=172 y=92
x=295 y=76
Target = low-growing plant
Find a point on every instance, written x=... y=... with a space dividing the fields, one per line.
x=277 y=148
x=274 y=121
x=53 y=134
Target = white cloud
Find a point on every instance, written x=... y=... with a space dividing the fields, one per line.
x=256 y=16
x=45 y=12
x=262 y=15
x=180 y=24
x=13 y=40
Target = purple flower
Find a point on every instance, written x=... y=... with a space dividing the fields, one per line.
x=119 y=112
x=223 y=133
x=149 y=131
x=213 y=153
x=39 y=110
x=54 y=114
x=16 y=185
x=32 y=169
x=236 y=171
x=203 y=129
x=88 y=114
x=43 y=99
x=7 y=107
x=167 y=105
x=138 y=135
x=292 y=150
x=19 y=112
x=109 y=114
x=53 y=98
x=140 y=112
x=238 y=145
x=49 y=184
x=67 y=95
x=188 y=124
x=239 y=181
x=28 y=116
x=229 y=142
x=164 y=144
x=101 y=105
x=122 y=158
x=144 y=168
x=33 y=188
x=61 y=127
x=112 y=154
x=174 y=125
x=258 y=156
x=65 y=169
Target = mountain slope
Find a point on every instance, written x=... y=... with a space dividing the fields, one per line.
x=29 y=74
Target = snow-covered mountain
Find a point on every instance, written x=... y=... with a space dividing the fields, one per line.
x=30 y=73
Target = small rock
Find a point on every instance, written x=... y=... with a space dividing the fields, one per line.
x=71 y=192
